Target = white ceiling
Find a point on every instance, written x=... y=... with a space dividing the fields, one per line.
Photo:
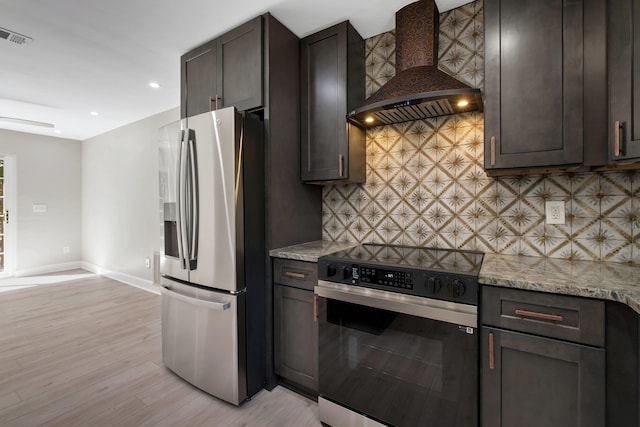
x=100 y=55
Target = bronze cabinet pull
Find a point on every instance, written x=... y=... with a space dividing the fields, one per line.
x=616 y=139
x=294 y=275
x=493 y=151
x=340 y=166
x=213 y=100
x=315 y=308
x=492 y=364
x=536 y=315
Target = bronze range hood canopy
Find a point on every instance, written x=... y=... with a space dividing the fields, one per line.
x=419 y=90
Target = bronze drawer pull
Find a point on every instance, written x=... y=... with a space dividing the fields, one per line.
x=535 y=315
x=492 y=364
x=294 y=275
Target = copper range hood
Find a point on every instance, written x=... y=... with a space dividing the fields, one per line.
x=419 y=89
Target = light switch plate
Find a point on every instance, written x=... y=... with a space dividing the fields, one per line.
x=554 y=212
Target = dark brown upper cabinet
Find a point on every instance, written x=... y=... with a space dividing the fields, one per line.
x=332 y=84
x=624 y=81
x=199 y=79
x=224 y=72
x=240 y=55
x=545 y=82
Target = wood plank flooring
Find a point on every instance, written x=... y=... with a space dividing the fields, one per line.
x=87 y=352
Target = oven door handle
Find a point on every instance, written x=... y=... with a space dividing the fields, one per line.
x=444 y=311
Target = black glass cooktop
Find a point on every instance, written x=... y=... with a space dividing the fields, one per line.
x=430 y=259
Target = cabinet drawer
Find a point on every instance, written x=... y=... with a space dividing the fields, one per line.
x=564 y=317
x=299 y=274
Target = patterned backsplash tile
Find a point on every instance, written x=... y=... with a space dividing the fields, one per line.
x=426 y=185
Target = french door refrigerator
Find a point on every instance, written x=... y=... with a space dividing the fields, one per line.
x=213 y=252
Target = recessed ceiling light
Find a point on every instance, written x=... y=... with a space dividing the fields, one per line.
x=94 y=113
x=154 y=85
x=58 y=131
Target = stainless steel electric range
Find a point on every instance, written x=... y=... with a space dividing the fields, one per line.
x=398 y=340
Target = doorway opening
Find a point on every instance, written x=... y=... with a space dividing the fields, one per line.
x=7 y=218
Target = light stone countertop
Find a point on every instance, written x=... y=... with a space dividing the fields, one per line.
x=310 y=251
x=592 y=279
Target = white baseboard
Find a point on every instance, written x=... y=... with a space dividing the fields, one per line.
x=128 y=279
x=51 y=268
x=144 y=284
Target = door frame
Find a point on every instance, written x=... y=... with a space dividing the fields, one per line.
x=10 y=204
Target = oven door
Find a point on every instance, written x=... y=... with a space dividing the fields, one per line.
x=398 y=359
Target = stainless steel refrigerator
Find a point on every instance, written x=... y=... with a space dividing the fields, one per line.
x=213 y=252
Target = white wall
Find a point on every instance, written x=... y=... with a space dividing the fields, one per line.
x=49 y=172
x=120 y=223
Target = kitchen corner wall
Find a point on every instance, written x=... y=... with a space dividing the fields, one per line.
x=426 y=185
x=120 y=222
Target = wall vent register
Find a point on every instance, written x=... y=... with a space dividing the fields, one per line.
x=14 y=37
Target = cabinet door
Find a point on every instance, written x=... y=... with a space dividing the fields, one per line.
x=533 y=83
x=534 y=381
x=240 y=56
x=295 y=336
x=324 y=104
x=624 y=79
x=199 y=76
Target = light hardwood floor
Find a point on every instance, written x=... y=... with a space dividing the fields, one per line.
x=88 y=353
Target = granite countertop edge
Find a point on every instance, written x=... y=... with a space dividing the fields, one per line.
x=310 y=251
x=591 y=279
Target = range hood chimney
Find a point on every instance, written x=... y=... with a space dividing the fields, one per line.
x=419 y=89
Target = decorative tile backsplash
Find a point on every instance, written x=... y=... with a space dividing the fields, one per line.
x=426 y=185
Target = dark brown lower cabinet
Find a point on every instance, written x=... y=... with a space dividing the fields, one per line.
x=623 y=366
x=295 y=337
x=528 y=380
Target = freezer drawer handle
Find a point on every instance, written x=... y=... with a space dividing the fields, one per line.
x=221 y=306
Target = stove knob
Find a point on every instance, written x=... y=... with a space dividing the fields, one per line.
x=433 y=285
x=458 y=288
x=346 y=273
x=331 y=270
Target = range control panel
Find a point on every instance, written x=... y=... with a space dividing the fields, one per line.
x=425 y=283
x=379 y=276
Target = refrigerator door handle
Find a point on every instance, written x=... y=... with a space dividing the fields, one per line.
x=211 y=305
x=179 y=211
x=193 y=206
x=182 y=202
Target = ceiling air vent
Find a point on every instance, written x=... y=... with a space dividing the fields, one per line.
x=14 y=37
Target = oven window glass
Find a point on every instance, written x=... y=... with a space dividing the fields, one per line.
x=399 y=369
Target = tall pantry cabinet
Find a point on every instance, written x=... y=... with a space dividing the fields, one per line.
x=256 y=68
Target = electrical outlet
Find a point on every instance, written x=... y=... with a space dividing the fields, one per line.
x=147 y=263
x=554 y=212
x=65 y=249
